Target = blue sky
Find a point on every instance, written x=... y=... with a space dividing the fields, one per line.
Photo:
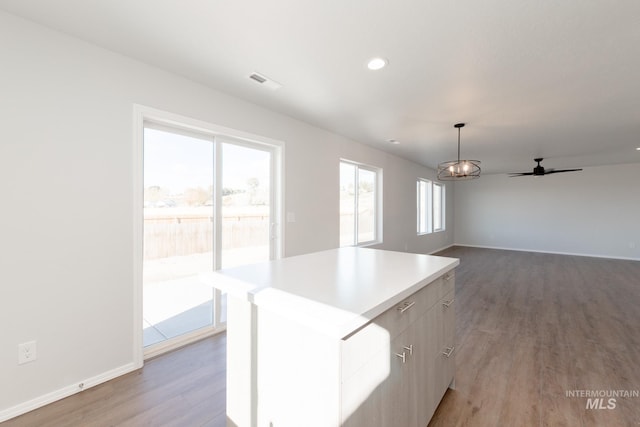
x=176 y=162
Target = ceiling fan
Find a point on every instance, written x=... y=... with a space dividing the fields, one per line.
x=540 y=170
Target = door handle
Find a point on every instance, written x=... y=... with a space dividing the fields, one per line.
x=448 y=352
x=406 y=306
x=409 y=348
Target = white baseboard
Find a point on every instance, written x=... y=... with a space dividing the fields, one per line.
x=442 y=249
x=67 y=391
x=547 y=252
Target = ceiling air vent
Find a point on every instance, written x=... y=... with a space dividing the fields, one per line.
x=265 y=81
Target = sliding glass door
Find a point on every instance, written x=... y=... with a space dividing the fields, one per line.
x=246 y=209
x=208 y=204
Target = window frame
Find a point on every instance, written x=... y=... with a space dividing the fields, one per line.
x=377 y=194
x=426 y=221
x=441 y=186
x=423 y=207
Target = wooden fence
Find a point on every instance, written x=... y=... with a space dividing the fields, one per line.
x=166 y=236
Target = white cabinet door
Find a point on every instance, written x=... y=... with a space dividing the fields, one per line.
x=426 y=332
x=399 y=380
x=375 y=396
x=448 y=340
x=443 y=361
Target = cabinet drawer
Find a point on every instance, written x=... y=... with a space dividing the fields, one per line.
x=448 y=283
x=396 y=319
x=448 y=305
x=358 y=348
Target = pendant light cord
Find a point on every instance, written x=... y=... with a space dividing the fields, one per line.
x=458 y=145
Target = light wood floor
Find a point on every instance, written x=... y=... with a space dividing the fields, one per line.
x=530 y=328
x=183 y=388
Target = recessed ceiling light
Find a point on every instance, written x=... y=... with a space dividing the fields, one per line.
x=638 y=148
x=377 y=63
x=393 y=141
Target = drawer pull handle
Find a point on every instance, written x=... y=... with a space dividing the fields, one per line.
x=448 y=352
x=448 y=276
x=402 y=356
x=406 y=306
x=448 y=303
x=409 y=349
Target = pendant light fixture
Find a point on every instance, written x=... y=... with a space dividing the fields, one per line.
x=458 y=170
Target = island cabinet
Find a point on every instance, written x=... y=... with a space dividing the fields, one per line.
x=348 y=337
x=410 y=352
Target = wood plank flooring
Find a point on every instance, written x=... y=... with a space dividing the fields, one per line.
x=183 y=388
x=530 y=328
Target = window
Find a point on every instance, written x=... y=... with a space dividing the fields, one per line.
x=424 y=201
x=438 y=207
x=359 y=204
x=430 y=203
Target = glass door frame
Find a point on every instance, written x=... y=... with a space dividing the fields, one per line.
x=275 y=204
x=219 y=135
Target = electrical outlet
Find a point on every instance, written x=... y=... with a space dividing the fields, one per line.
x=26 y=352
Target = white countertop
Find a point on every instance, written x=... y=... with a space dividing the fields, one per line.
x=335 y=291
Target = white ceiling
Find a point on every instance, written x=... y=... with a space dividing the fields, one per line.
x=552 y=79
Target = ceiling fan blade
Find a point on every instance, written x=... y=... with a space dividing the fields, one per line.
x=561 y=170
x=539 y=170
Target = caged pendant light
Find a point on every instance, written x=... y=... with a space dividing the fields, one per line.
x=459 y=170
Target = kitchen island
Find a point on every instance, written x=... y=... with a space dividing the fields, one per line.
x=344 y=337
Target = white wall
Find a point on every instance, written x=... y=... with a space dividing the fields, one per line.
x=593 y=212
x=66 y=179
